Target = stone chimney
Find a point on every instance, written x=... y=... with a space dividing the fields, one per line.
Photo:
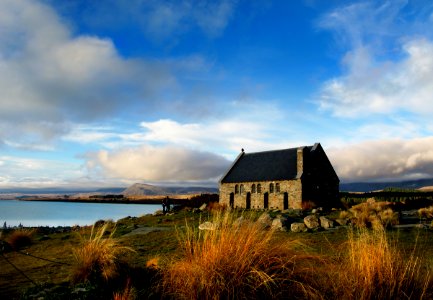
x=300 y=162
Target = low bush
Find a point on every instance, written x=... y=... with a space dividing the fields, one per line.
x=20 y=238
x=426 y=212
x=372 y=214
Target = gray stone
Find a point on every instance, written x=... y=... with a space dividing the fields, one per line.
x=207 y=226
x=265 y=220
x=298 y=227
x=158 y=213
x=342 y=222
x=278 y=224
x=239 y=221
x=326 y=223
x=311 y=221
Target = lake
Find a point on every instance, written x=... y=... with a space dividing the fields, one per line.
x=47 y=213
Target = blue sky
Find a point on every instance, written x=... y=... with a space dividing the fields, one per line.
x=108 y=93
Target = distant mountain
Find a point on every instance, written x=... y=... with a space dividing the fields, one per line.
x=374 y=186
x=142 y=189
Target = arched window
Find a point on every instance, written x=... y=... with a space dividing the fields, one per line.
x=271 y=188
x=277 y=187
x=253 y=188
x=259 y=188
x=242 y=188
x=236 y=189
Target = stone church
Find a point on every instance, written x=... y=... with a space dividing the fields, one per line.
x=280 y=179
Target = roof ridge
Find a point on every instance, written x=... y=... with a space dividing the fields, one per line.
x=277 y=150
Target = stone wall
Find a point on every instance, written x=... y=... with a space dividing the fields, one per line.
x=293 y=188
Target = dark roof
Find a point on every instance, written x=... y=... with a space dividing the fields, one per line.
x=264 y=166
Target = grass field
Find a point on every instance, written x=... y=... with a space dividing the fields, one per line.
x=170 y=258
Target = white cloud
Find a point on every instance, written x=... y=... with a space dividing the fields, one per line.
x=37 y=173
x=149 y=163
x=50 y=79
x=384 y=160
x=383 y=87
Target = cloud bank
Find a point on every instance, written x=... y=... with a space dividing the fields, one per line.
x=155 y=164
x=384 y=160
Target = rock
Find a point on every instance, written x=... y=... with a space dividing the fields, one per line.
x=265 y=220
x=326 y=223
x=158 y=213
x=203 y=207
x=311 y=221
x=207 y=226
x=298 y=227
x=279 y=224
x=239 y=222
x=342 y=222
x=314 y=211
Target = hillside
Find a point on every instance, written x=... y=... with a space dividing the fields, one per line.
x=375 y=186
x=142 y=189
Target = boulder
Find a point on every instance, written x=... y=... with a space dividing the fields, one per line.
x=342 y=222
x=203 y=207
x=298 y=227
x=265 y=220
x=207 y=226
x=279 y=224
x=311 y=221
x=326 y=223
x=239 y=222
x=158 y=213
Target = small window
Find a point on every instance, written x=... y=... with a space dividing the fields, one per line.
x=236 y=189
x=242 y=189
x=259 y=188
x=277 y=187
x=271 y=188
x=253 y=188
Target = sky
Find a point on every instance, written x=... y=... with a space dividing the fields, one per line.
x=110 y=93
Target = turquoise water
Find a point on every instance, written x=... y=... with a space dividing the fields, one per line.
x=45 y=213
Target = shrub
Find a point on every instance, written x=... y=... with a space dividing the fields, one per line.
x=20 y=238
x=373 y=214
x=236 y=260
x=426 y=212
x=97 y=257
x=374 y=269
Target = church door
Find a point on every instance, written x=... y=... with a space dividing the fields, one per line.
x=248 y=204
x=266 y=201
x=232 y=200
x=286 y=201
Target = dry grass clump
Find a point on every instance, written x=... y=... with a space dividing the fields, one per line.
x=20 y=238
x=98 y=257
x=237 y=260
x=373 y=214
x=426 y=212
x=374 y=269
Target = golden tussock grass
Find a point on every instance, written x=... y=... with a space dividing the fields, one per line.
x=426 y=212
x=236 y=260
x=20 y=238
x=375 y=269
x=98 y=257
x=373 y=214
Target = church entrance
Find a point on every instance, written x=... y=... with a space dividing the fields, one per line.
x=266 y=201
x=248 y=204
x=232 y=200
x=286 y=201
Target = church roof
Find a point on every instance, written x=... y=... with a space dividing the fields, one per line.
x=265 y=166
